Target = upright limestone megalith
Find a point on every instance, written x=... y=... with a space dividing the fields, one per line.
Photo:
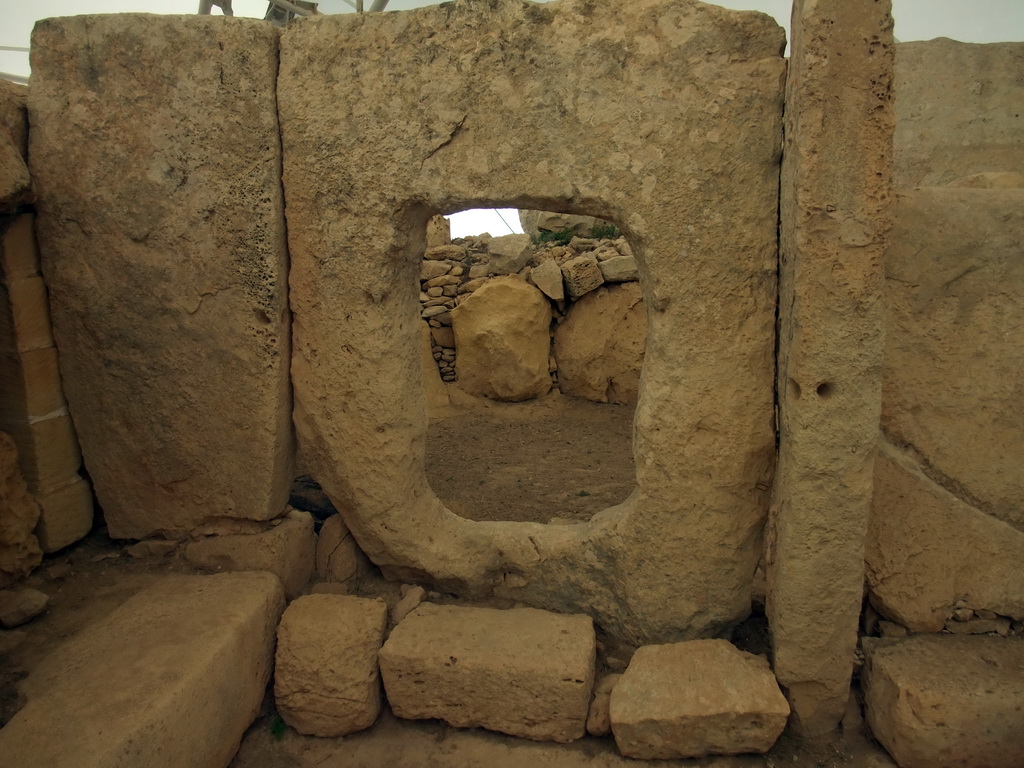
x=156 y=161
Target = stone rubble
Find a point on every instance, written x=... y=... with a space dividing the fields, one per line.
x=20 y=606
x=19 y=513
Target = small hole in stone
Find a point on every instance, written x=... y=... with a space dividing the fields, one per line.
x=824 y=389
x=262 y=317
x=794 y=390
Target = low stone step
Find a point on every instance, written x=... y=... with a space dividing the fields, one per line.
x=171 y=678
x=523 y=671
x=703 y=697
x=942 y=700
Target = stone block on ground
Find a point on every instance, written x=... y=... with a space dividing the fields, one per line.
x=509 y=253
x=178 y=377
x=18 y=606
x=171 y=678
x=582 y=275
x=938 y=701
x=326 y=679
x=502 y=333
x=703 y=697
x=522 y=671
x=548 y=277
x=600 y=345
x=67 y=514
x=338 y=557
x=19 y=513
x=287 y=549
x=619 y=269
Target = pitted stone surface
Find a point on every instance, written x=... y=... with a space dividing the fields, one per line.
x=371 y=152
x=326 y=680
x=173 y=677
x=165 y=259
x=522 y=671
x=704 y=697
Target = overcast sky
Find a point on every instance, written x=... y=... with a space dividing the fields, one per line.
x=973 y=21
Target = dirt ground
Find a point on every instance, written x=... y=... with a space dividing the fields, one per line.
x=555 y=458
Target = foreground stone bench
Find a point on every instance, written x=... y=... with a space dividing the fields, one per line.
x=704 y=697
x=941 y=700
x=523 y=671
x=171 y=678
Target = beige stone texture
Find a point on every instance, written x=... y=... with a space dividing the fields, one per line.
x=534 y=222
x=20 y=606
x=582 y=275
x=599 y=346
x=521 y=671
x=957 y=110
x=338 y=557
x=67 y=513
x=502 y=333
x=165 y=257
x=19 y=513
x=326 y=679
x=619 y=269
x=927 y=550
x=599 y=718
x=437 y=395
x=25 y=313
x=49 y=451
x=935 y=701
x=990 y=180
x=173 y=677
x=836 y=189
x=439 y=231
x=15 y=183
x=703 y=697
x=19 y=254
x=548 y=277
x=371 y=152
x=30 y=386
x=953 y=350
x=287 y=549
x=509 y=253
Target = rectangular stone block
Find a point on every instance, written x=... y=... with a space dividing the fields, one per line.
x=326 y=679
x=936 y=701
x=67 y=514
x=523 y=671
x=836 y=190
x=171 y=678
x=704 y=697
x=30 y=385
x=19 y=254
x=48 y=451
x=25 y=313
x=165 y=256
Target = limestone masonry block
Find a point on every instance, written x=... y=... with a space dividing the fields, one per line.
x=19 y=254
x=834 y=214
x=582 y=275
x=439 y=231
x=171 y=678
x=287 y=549
x=31 y=387
x=67 y=513
x=522 y=671
x=936 y=701
x=703 y=697
x=503 y=337
x=50 y=451
x=326 y=679
x=168 y=278
x=338 y=557
x=548 y=277
x=619 y=269
x=25 y=313
x=509 y=253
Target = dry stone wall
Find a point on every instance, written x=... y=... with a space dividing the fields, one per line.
x=676 y=559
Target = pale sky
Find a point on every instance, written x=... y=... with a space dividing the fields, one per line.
x=972 y=21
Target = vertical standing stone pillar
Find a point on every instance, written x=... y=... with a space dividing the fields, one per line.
x=156 y=160
x=836 y=184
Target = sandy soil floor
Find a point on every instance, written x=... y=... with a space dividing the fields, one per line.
x=556 y=458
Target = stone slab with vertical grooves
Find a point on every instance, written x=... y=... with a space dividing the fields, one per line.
x=165 y=258
x=522 y=671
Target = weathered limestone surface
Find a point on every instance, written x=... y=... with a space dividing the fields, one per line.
x=954 y=350
x=326 y=680
x=287 y=550
x=338 y=557
x=943 y=702
x=927 y=549
x=171 y=678
x=437 y=395
x=502 y=332
x=535 y=222
x=692 y=181
x=704 y=697
x=165 y=258
x=836 y=178
x=19 y=513
x=522 y=671
x=32 y=405
x=15 y=183
x=600 y=345
x=957 y=110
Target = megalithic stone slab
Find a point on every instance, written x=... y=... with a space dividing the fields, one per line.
x=164 y=255
x=171 y=678
x=836 y=186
